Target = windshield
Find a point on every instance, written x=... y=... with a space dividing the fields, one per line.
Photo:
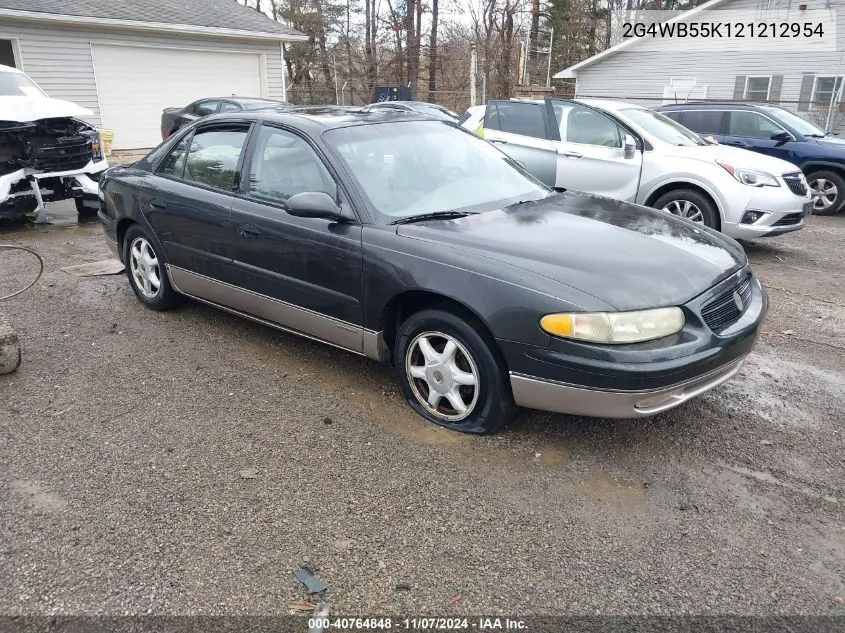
x=794 y=121
x=410 y=168
x=18 y=85
x=663 y=128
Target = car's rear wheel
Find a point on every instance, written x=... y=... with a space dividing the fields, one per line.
x=145 y=269
x=690 y=204
x=828 y=191
x=450 y=373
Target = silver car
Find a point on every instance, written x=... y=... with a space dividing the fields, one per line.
x=632 y=153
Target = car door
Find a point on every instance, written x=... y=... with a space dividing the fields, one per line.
x=591 y=151
x=751 y=130
x=188 y=198
x=304 y=273
x=520 y=130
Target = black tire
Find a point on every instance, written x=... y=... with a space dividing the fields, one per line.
x=161 y=298
x=83 y=211
x=677 y=198
x=490 y=402
x=838 y=200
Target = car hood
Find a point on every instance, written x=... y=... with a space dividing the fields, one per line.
x=625 y=255
x=26 y=109
x=830 y=142
x=737 y=157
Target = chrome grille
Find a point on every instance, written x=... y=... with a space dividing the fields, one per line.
x=722 y=311
x=796 y=183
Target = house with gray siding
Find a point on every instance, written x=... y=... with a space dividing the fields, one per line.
x=800 y=74
x=126 y=60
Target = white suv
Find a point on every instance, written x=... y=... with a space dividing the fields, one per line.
x=632 y=153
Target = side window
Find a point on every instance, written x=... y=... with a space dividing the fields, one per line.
x=213 y=156
x=204 y=108
x=284 y=164
x=491 y=118
x=174 y=163
x=229 y=106
x=579 y=124
x=702 y=121
x=751 y=125
x=525 y=119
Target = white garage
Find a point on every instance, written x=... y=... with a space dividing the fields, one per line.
x=127 y=61
x=134 y=84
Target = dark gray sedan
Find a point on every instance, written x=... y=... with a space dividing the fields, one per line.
x=413 y=242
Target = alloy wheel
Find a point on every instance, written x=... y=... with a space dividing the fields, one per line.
x=824 y=193
x=143 y=264
x=685 y=209
x=443 y=375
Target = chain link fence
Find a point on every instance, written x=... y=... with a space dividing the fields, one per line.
x=456 y=100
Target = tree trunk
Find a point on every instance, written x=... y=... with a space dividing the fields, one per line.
x=432 y=54
x=417 y=50
x=535 y=25
x=410 y=31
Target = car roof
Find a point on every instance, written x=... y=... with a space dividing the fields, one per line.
x=708 y=105
x=326 y=117
x=612 y=105
x=10 y=69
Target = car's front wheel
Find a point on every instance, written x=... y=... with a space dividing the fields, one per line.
x=828 y=191
x=690 y=204
x=145 y=269
x=450 y=373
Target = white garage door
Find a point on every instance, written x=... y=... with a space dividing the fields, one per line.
x=135 y=83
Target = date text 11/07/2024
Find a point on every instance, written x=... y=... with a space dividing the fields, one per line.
x=418 y=624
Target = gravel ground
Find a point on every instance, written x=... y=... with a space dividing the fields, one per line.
x=187 y=462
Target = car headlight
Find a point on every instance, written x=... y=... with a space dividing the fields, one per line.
x=752 y=177
x=615 y=327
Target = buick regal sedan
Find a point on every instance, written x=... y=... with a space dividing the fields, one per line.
x=416 y=243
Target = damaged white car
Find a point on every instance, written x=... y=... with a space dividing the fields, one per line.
x=46 y=152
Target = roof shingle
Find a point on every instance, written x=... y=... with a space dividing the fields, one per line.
x=224 y=14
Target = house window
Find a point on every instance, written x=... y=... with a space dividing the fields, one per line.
x=824 y=88
x=757 y=88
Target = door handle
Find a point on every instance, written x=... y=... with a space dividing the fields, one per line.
x=248 y=231
x=158 y=205
x=573 y=155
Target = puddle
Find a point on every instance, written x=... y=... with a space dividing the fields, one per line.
x=553 y=457
x=609 y=489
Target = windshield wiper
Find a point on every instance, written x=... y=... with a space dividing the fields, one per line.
x=437 y=215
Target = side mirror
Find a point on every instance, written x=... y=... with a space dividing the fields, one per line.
x=629 y=146
x=314 y=204
x=782 y=137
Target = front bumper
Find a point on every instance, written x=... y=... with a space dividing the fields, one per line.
x=558 y=397
x=783 y=212
x=628 y=381
x=74 y=183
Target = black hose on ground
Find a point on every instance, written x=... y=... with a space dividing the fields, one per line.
x=9 y=247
